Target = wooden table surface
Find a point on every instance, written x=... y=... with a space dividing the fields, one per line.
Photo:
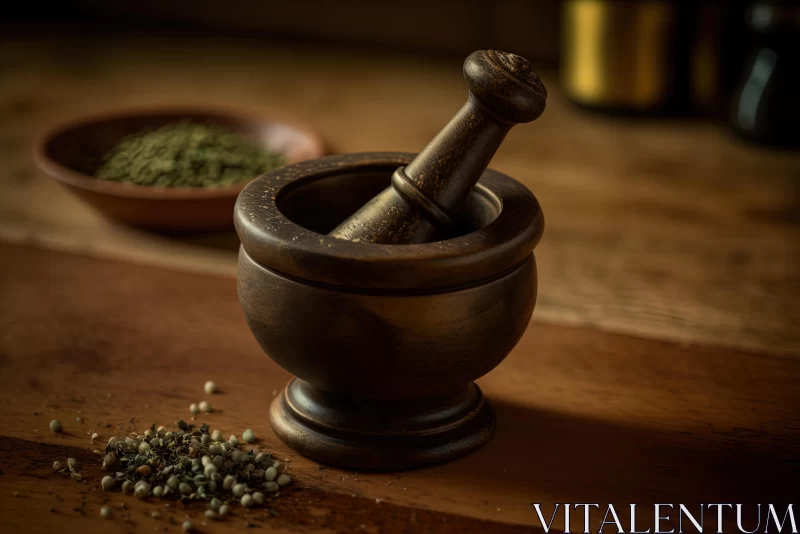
x=661 y=364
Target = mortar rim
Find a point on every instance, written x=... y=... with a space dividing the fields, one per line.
x=277 y=243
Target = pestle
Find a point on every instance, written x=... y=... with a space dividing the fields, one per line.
x=426 y=194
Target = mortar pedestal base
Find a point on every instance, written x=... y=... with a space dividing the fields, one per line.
x=361 y=433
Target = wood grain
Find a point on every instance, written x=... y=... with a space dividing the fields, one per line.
x=583 y=416
x=664 y=229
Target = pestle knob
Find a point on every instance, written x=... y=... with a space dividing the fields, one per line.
x=426 y=194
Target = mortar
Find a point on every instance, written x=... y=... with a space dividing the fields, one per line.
x=385 y=340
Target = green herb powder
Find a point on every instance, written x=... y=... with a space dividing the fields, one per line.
x=186 y=154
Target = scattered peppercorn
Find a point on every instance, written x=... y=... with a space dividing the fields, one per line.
x=188 y=465
x=142 y=489
x=55 y=426
x=108 y=483
x=270 y=474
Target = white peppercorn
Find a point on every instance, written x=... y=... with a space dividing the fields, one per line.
x=109 y=460
x=228 y=482
x=258 y=497
x=187 y=526
x=270 y=474
x=223 y=510
x=158 y=492
x=204 y=406
x=247 y=500
x=216 y=435
x=55 y=426
x=105 y=512
x=173 y=482
x=284 y=480
x=211 y=514
x=249 y=436
x=271 y=487
x=57 y=465
x=210 y=387
x=214 y=504
x=194 y=409
x=108 y=483
x=238 y=490
x=142 y=489
x=210 y=469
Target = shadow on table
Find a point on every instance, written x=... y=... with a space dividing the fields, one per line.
x=581 y=460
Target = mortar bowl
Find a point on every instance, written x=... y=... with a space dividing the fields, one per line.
x=385 y=340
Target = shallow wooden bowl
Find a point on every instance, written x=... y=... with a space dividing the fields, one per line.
x=66 y=151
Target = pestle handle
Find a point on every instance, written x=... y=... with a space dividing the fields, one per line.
x=426 y=194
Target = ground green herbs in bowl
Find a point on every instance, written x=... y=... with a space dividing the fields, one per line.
x=186 y=154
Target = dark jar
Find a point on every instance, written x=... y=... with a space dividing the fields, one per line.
x=765 y=108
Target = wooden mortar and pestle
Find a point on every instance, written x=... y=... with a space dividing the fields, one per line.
x=387 y=283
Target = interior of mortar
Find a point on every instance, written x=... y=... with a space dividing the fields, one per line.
x=320 y=203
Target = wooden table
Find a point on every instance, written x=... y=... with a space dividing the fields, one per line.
x=661 y=364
